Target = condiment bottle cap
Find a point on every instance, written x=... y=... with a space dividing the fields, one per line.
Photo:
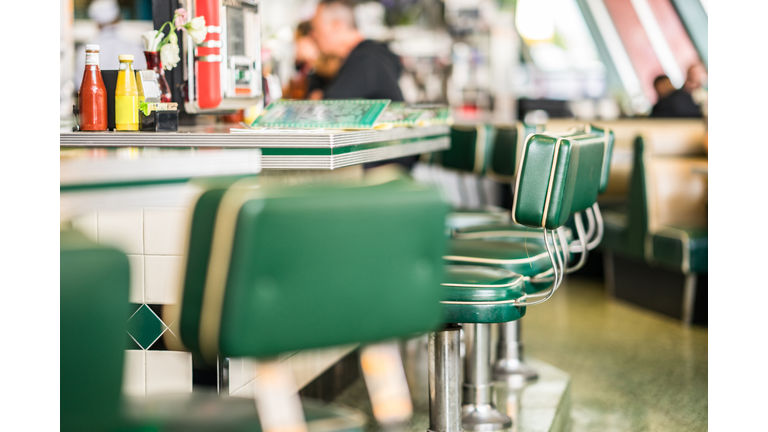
x=91 y=47
x=125 y=57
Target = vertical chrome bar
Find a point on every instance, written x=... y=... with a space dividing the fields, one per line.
x=478 y=411
x=510 y=365
x=444 y=380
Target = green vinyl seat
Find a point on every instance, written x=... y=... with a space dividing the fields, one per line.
x=272 y=270
x=525 y=259
x=94 y=308
x=465 y=286
x=680 y=249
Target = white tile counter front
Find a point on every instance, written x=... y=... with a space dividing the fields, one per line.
x=154 y=238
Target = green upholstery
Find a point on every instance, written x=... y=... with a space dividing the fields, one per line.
x=94 y=286
x=549 y=166
x=628 y=229
x=313 y=266
x=589 y=173
x=609 y=143
x=471 y=148
x=680 y=249
x=464 y=283
x=504 y=154
x=526 y=259
x=476 y=283
x=93 y=311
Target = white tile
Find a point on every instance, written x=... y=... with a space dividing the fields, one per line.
x=241 y=374
x=122 y=229
x=169 y=372
x=134 y=376
x=136 y=263
x=162 y=278
x=86 y=224
x=165 y=229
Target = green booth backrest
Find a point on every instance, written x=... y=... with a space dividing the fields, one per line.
x=546 y=182
x=471 y=148
x=94 y=283
x=307 y=267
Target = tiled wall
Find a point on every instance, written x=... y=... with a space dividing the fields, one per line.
x=154 y=238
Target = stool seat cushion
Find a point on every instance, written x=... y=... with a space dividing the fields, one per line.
x=509 y=231
x=681 y=248
x=467 y=288
x=478 y=283
x=527 y=259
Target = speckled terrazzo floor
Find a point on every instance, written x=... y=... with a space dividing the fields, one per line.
x=630 y=369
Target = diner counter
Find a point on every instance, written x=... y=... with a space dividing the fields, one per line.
x=294 y=149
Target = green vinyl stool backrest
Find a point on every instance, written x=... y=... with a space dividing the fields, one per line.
x=471 y=148
x=94 y=283
x=310 y=266
x=507 y=147
x=546 y=182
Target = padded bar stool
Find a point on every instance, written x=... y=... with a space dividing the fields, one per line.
x=471 y=152
x=587 y=152
x=477 y=296
x=272 y=270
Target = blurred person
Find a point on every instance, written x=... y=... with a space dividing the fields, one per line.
x=679 y=103
x=663 y=86
x=369 y=69
x=106 y=14
x=314 y=70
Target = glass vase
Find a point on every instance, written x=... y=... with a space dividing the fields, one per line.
x=153 y=62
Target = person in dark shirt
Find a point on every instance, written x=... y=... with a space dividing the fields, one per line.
x=677 y=103
x=370 y=70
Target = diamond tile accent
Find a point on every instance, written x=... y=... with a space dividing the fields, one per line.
x=145 y=327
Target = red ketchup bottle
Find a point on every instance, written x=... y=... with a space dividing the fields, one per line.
x=92 y=97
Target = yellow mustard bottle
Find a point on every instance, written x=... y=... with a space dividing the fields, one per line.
x=126 y=96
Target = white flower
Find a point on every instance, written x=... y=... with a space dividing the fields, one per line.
x=197 y=30
x=172 y=38
x=151 y=39
x=169 y=56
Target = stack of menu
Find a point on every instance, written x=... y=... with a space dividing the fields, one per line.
x=355 y=114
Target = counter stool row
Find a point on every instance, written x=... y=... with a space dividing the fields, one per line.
x=271 y=270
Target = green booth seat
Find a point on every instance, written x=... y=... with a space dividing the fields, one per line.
x=94 y=308
x=657 y=243
x=680 y=249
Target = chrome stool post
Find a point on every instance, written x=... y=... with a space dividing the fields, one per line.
x=478 y=412
x=509 y=363
x=445 y=380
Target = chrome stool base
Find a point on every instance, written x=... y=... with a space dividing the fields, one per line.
x=445 y=380
x=510 y=365
x=478 y=411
